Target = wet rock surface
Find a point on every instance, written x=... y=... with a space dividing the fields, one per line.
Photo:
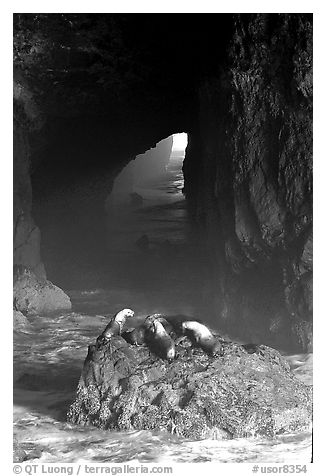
x=34 y=295
x=19 y=455
x=20 y=321
x=240 y=392
x=248 y=181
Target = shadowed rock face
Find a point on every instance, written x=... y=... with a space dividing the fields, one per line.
x=26 y=234
x=248 y=181
x=20 y=321
x=235 y=394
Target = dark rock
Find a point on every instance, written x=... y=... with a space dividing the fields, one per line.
x=33 y=295
x=26 y=235
x=248 y=181
x=135 y=336
x=34 y=454
x=20 y=321
x=237 y=394
x=251 y=348
x=19 y=455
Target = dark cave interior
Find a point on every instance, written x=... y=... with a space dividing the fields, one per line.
x=93 y=91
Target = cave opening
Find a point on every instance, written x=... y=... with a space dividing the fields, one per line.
x=143 y=241
x=146 y=218
x=148 y=239
x=162 y=164
x=246 y=200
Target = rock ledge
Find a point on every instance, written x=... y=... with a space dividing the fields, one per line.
x=34 y=295
x=236 y=394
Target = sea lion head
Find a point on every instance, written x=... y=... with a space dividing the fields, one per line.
x=122 y=315
x=149 y=323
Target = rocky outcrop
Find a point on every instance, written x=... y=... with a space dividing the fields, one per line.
x=248 y=180
x=241 y=392
x=20 y=321
x=19 y=454
x=34 y=295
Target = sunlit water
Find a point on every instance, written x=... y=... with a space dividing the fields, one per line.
x=49 y=355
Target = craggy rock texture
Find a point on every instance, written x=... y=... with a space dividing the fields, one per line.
x=236 y=394
x=20 y=321
x=19 y=455
x=33 y=295
x=248 y=180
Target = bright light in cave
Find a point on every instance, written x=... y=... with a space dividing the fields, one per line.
x=180 y=141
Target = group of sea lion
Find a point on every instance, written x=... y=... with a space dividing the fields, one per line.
x=158 y=333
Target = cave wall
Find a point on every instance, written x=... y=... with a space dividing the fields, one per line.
x=100 y=101
x=248 y=176
x=242 y=91
x=26 y=235
x=103 y=94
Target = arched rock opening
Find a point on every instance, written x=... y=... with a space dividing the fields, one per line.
x=243 y=93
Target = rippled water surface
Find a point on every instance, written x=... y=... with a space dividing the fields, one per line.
x=48 y=357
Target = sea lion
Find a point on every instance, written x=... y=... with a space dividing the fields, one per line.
x=159 y=317
x=176 y=320
x=201 y=336
x=114 y=327
x=135 y=336
x=166 y=324
x=157 y=339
